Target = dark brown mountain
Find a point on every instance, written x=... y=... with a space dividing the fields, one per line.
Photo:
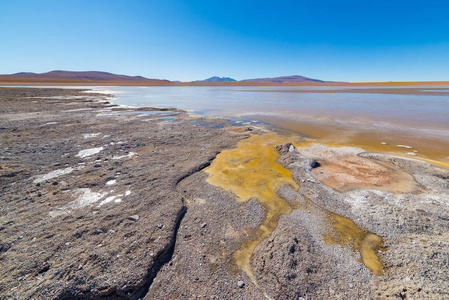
x=84 y=76
x=284 y=79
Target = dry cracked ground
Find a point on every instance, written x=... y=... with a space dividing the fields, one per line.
x=101 y=201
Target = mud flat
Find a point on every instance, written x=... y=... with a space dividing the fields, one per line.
x=103 y=201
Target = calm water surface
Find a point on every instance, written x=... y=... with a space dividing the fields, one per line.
x=366 y=119
x=419 y=110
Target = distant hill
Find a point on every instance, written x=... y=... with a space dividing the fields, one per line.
x=284 y=79
x=216 y=79
x=83 y=76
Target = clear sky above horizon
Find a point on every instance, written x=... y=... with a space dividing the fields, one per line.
x=347 y=40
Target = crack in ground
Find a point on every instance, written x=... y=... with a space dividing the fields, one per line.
x=163 y=258
x=167 y=255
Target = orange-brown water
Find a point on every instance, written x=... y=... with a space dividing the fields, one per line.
x=428 y=147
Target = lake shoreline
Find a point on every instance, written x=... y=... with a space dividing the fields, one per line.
x=46 y=82
x=100 y=200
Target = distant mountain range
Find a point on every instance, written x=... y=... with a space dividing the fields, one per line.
x=284 y=79
x=77 y=76
x=216 y=79
x=105 y=76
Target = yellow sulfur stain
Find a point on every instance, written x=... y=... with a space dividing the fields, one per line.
x=251 y=171
x=344 y=231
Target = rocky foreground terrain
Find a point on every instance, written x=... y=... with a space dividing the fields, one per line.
x=101 y=201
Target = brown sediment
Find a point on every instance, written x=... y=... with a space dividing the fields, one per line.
x=353 y=172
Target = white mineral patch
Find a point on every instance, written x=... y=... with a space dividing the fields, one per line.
x=51 y=123
x=111 y=182
x=90 y=135
x=89 y=152
x=130 y=154
x=118 y=200
x=411 y=153
x=53 y=174
x=404 y=146
x=127 y=193
x=107 y=200
x=86 y=197
x=383 y=143
x=78 y=109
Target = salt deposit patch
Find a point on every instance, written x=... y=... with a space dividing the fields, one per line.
x=107 y=200
x=53 y=174
x=78 y=109
x=111 y=182
x=86 y=197
x=90 y=135
x=89 y=152
x=404 y=146
x=127 y=193
x=130 y=154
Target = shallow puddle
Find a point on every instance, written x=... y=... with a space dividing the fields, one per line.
x=251 y=171
x=346 y=232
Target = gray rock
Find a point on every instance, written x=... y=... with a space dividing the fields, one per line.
x=240 y=284
x=133 y=218
x=284 y=148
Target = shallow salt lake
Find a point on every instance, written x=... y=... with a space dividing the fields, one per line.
x=379 y=118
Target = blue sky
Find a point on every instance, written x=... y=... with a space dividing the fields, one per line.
x=347 y=40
